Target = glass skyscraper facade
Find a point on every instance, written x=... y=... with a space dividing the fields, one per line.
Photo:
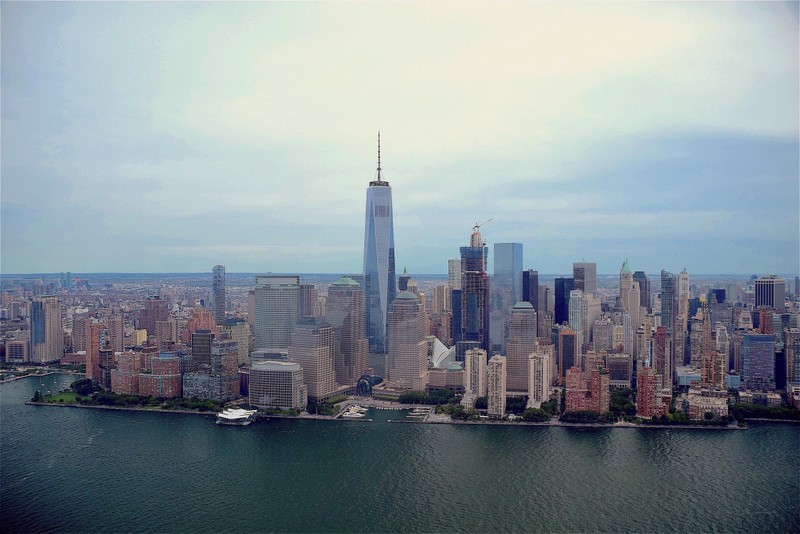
x=506 y=289
x=475 y=292
x=379 y=274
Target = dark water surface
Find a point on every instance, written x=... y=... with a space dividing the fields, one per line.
x=69 y=469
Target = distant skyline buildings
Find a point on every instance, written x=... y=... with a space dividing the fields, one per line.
x=218 y=293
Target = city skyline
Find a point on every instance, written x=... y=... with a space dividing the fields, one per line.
x=664 y=133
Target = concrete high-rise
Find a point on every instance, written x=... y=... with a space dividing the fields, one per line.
x=540 y=372
x=379 y=273
x=277 y=310
x=585 y=275
x=758 y=362
x=475 y=372
x=496 y=386
x=46 y=334
x=568 y=352
x=345 y=313
x=521 y=343
x=682 y=318
x=669 y=306
x=155 y=309
x=454 y=273
x=408 y=346
x=475 y=292
x=116 y=333
x=218 y=293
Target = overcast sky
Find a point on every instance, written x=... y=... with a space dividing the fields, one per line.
x=154 y=137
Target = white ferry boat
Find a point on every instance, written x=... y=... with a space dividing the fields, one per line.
x=236 y=417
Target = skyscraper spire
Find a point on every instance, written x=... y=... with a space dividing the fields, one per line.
x=378 y=177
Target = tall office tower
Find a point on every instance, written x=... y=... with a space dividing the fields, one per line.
x=218 y=293
x=202 y=340
x=496 y=386
x=792 y=348
x=644 y=290
x=154 y=310
x=562 y=288
x=312 y=347
x=116 y=333
x=546 y=300
x=475 y=372
x=682 y=318
x=797 y=286
x=771 y=292
x=720 y=307
x=238 y=330
x=408 y=346
x=380 y=289
x=522 y=334
x=308 y=300
x=277 y=310
x=46 y=334
x=454 y=273
x=576 y=317
x=568 y=352
x=544 y=323
x=402 y=280
x=669 y=307
x=758 y=362
x=530 y=288
x=661 y=362
x=441 y=299
x=540 y=371
x=585 y=275
x=92 y=335
x=345 y=314
x=475 y=292
x=629 y=297
x=506 y=289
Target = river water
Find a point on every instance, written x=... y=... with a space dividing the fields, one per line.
x=82 y=470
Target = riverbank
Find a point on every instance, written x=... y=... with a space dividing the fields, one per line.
x=622 y=424
x=148 y=409
x=34 y=375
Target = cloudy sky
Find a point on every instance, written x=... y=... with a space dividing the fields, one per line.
x=155 y=137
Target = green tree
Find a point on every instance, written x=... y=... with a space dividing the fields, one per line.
x=37 y=397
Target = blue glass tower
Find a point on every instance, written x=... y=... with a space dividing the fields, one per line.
x=379 y=274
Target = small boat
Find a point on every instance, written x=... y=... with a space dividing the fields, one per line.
x=352 y=415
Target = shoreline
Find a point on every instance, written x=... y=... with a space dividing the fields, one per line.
x=33 y=375
x=438 y=421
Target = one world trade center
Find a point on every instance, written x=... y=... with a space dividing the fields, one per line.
x=379 y=278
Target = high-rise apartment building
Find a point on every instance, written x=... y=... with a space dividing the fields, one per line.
x=116 y=333
x=475 y=372
x=202 y=340
x=218 y=293
x=522 y=333
x=662 y=359
x=496 y=386
x=792 y=350
x=770 y=292
x=585 y=275
x=540 y=372
x=475 y=292
x=155 y=309
x=277 y=310
x=346 y=315
x=379 y=273
x=408 y=345
x=312 y=346
x=238 y=330
x=46 y=333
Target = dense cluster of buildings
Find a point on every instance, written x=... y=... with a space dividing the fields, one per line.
x=285 y=343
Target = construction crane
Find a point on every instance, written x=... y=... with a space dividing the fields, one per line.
x=477 y=226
